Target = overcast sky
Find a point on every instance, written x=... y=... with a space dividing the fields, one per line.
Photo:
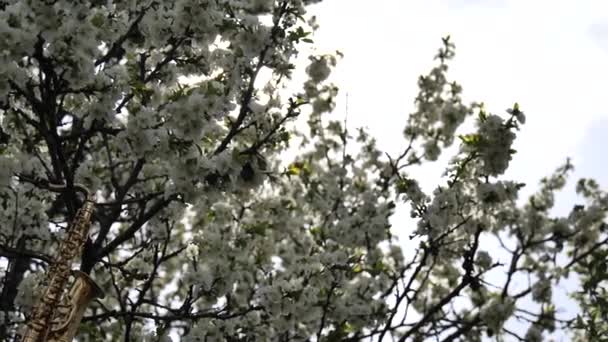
x=549 y=56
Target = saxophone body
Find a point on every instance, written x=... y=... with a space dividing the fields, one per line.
x=57 y=314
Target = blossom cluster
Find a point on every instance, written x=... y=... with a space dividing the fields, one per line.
x=230 y=210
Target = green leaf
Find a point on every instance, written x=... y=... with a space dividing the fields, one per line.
x=378 y=268
x=470 y=139
x=338 y=334
x=300 y=101
x=297 y=168
x=348 y=328
x=317 y=232
x=516 y=107
x=403 y=185
x=98 y=20
x=294 y=169
x=284 y=136
x=258 y=229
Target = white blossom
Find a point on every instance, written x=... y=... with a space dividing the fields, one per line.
x=318 y=70
x=496 y=141
x=192 y=251
x=229 y=208
x=534 y=334
x=496 y=312
x=483 y=260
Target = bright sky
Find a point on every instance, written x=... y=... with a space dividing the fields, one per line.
x=550 y=56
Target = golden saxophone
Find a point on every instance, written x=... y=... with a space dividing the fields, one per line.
x=56 y=316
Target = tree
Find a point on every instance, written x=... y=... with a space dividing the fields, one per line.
x=175 y=114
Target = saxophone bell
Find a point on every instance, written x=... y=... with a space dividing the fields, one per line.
x=64 y=325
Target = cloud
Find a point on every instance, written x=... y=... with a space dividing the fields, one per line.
x=591 y=152
x=599 y=33
x=461 y=4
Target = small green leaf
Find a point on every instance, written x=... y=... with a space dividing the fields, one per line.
x=317 y=232
x=284 y=136
x=378 y=268
x=297 y=168
x=258 y=229
x=403 y=185
x=98 y=20
x=470 y=139
x=348 y=328
x=294 y=169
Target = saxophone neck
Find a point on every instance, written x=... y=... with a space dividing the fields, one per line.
x=77 y=187
x=88 y=195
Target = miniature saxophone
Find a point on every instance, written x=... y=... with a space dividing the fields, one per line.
x=56 y=316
